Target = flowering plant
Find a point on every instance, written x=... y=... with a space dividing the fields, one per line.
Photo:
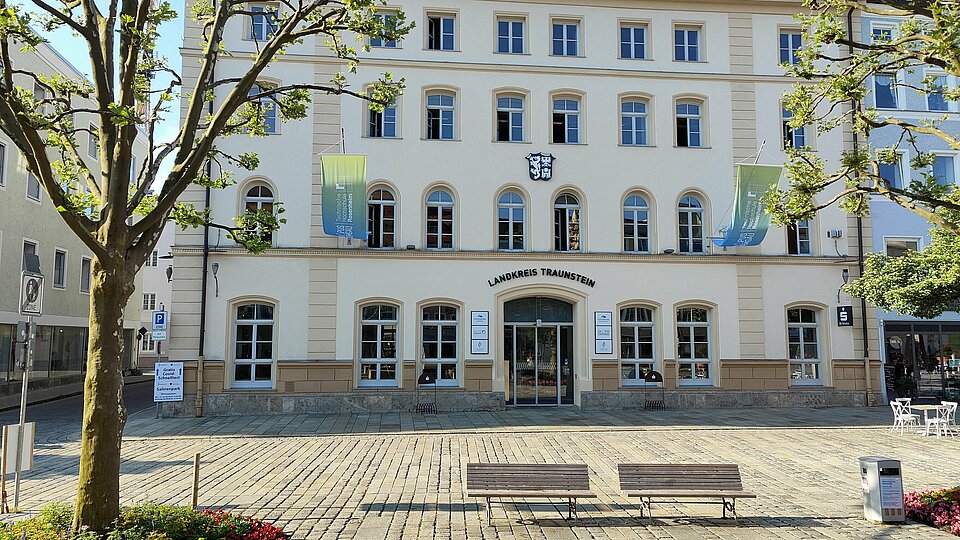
x=940 y=508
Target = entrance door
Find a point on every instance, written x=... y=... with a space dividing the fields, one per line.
x=538 y=349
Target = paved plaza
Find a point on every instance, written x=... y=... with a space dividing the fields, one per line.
x=376 y=476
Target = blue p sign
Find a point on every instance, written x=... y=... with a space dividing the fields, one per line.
x=159 y=320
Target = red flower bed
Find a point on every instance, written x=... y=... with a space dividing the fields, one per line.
x=940 y=508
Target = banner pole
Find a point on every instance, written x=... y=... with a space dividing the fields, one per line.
x=760 y=152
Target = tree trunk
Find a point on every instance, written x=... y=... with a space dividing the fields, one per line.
x=98 y=493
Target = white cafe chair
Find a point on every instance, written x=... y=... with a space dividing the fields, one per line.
x=951 y=416
x=940 y=423
x=902 y=418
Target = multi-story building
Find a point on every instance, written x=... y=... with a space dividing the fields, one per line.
x=920 y=355
x=30 y=223
x=157 y=274
x=502 y=290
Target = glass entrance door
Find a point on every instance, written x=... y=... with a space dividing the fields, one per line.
x=540 y=364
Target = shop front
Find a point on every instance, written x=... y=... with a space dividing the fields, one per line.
x=922 y=360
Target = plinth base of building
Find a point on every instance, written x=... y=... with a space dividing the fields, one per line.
x=704 y=399
x=237 y=404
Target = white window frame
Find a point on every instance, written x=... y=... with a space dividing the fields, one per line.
x=688 y=234
x=441 y=109
x=253 y=361
x=149 y=301
x=259 y=201
x=380 y=43
x=510 y=207
x=379 y=360
x=250 y=26
x=792 y=134
x=794 y=229
x=637 y=361
x=379 y=119
x=380 y=220
x=65 y=269
x=687 y=117
x=513 y=114
x=567 y=22
x=567 y=116
x=817 y=362
x=955 y=158
x=153 y=260
x=147 y=344
x=564 y=222
x=440 y=359
x=36 y=251
x=647 y=42
x=791 y=31
x=634 y=116
x=686 y=28
x=694 y=359
x=635 y=211
x=32 y=178
x=271 y=118
x=456 y=30
x=86 y=275
x=511 y=19
x=897 y=89
x=881 y=27
x=902 y=169
x=951 y=82
x=888 y=239
x=93 y=144
x=440 y=205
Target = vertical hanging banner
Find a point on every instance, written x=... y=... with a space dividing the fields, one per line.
x=344 y=196
x=750 y=220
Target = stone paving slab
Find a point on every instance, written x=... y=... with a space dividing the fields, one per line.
x=362 y=477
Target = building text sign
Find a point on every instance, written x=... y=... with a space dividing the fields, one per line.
x=548 y=272
x=479 y=332
x=168 y=382
x=603 y=332
x=844 y=315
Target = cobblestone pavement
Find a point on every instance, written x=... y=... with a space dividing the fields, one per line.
x=402 y=475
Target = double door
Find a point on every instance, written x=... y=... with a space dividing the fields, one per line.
x=540 y=363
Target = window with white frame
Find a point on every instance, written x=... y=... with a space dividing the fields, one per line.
x=147 y=344
x=149 y=301
x=29 y=248
x=389 y=23
x=690 y=220
x=440 y=116
x=382 y=124
x=790 y=42
x=266 y=106
x=566 y=121
x=440 y=349
x=510 y=222
x=799 y=238
x=253 y=345
x=898 y=247
x=944 y=169
x=936 y=98
x=566 y=38
x=510 y=35
x=378 y=345
x=440 y=220
x=693 y=345
x=259 y=197
x=441 y=32
x=33 y=187
x=85 y=274
x=885 y=91
x=510 y=111
x=637 y=356
x=689 y=124
x=633 y=122
x=686 y=43
x=153 y=260
x=633 y=41
x=881 y=34
x=636 y=224
x=263 y=22
x=381 y=219
x=566 y=223
x=793 y=137
x=59 y=268
x=892 y=172
x=93 y=142
x=804 y=344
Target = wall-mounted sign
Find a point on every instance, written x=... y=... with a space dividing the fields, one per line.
x=540 y=165
x=479 y=332
x=844 y=315
x=603 y=332
x=549 y=272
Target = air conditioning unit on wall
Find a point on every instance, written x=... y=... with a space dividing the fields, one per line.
x=834 y=233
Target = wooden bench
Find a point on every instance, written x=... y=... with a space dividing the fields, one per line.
x=529 y=481
x=683 y=481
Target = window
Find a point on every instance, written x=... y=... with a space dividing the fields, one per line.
x=253 y=345
x=798 y=238
x=33 y=187
x=885 y=91
x=944 y=170
x=689 y=125
x=149 y=301
x=85 y=274
x=147 y=344
x=898 y=247
x=153 y=259
x=382 y=124
x=440 y=208
x=133 y=170
x=510 y=210
x=633 y=41
x=566 y=223
x=29 y=248
x=636 y=231
x=441 y=32
x=636 y=344
x=510 y=35
x=389 y=22
x=510 y=119
x=936 y=100
x=257 y=198
x=440 y=109
x=566 y=38
x=633 y=123
x=439 y=338
x=892 y=172
x=882 y=34
x=3 y=165
x=378 y=345
x=59 y=268
x=266 y=106
x=804 y=346
x=686 y=44
x=792 y=137
x=93 y=142
x=263 y=22
x=381 y=219
x=790 y=43
x=693 y=345
x=566 y=121
x=690 y=219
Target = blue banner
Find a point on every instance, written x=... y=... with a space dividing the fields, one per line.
x=750 y=219
x=344 y=196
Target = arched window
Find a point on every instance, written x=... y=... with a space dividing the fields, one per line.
x=253 y=348
x=566 y=121
x=566 y=223
x=440 y=116
x=267 y=106
x=440 y=350
x=689 y=124
x=693 y=345
x=637 y=356
x=510 y=112
x=633 y=122
x=440 y=216
x=690 y=219
x=803 y=341
x=381 y=219
x=378 y=345
x=510 y=221
x=259 y=197
x=799 y=238
x=636 y=227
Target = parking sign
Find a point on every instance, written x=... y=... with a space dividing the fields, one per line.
x=159 y=320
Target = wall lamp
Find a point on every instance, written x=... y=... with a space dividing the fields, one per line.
x=215 y=267
x=169 y=273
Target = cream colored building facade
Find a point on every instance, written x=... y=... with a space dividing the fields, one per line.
x=505 y=290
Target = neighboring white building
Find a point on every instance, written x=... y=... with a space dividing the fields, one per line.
x=156 y=293
x=646 y=109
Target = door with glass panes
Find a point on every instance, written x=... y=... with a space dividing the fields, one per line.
x=538 y=350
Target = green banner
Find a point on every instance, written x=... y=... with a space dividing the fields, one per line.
x=344 y=196
x=750 y=220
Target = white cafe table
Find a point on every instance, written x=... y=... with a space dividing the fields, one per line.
x=927 y=409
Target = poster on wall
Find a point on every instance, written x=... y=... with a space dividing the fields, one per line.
x=603 y=332
x=344 y=196
x=479 y=332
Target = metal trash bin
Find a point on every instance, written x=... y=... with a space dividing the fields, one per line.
x=882 y=485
